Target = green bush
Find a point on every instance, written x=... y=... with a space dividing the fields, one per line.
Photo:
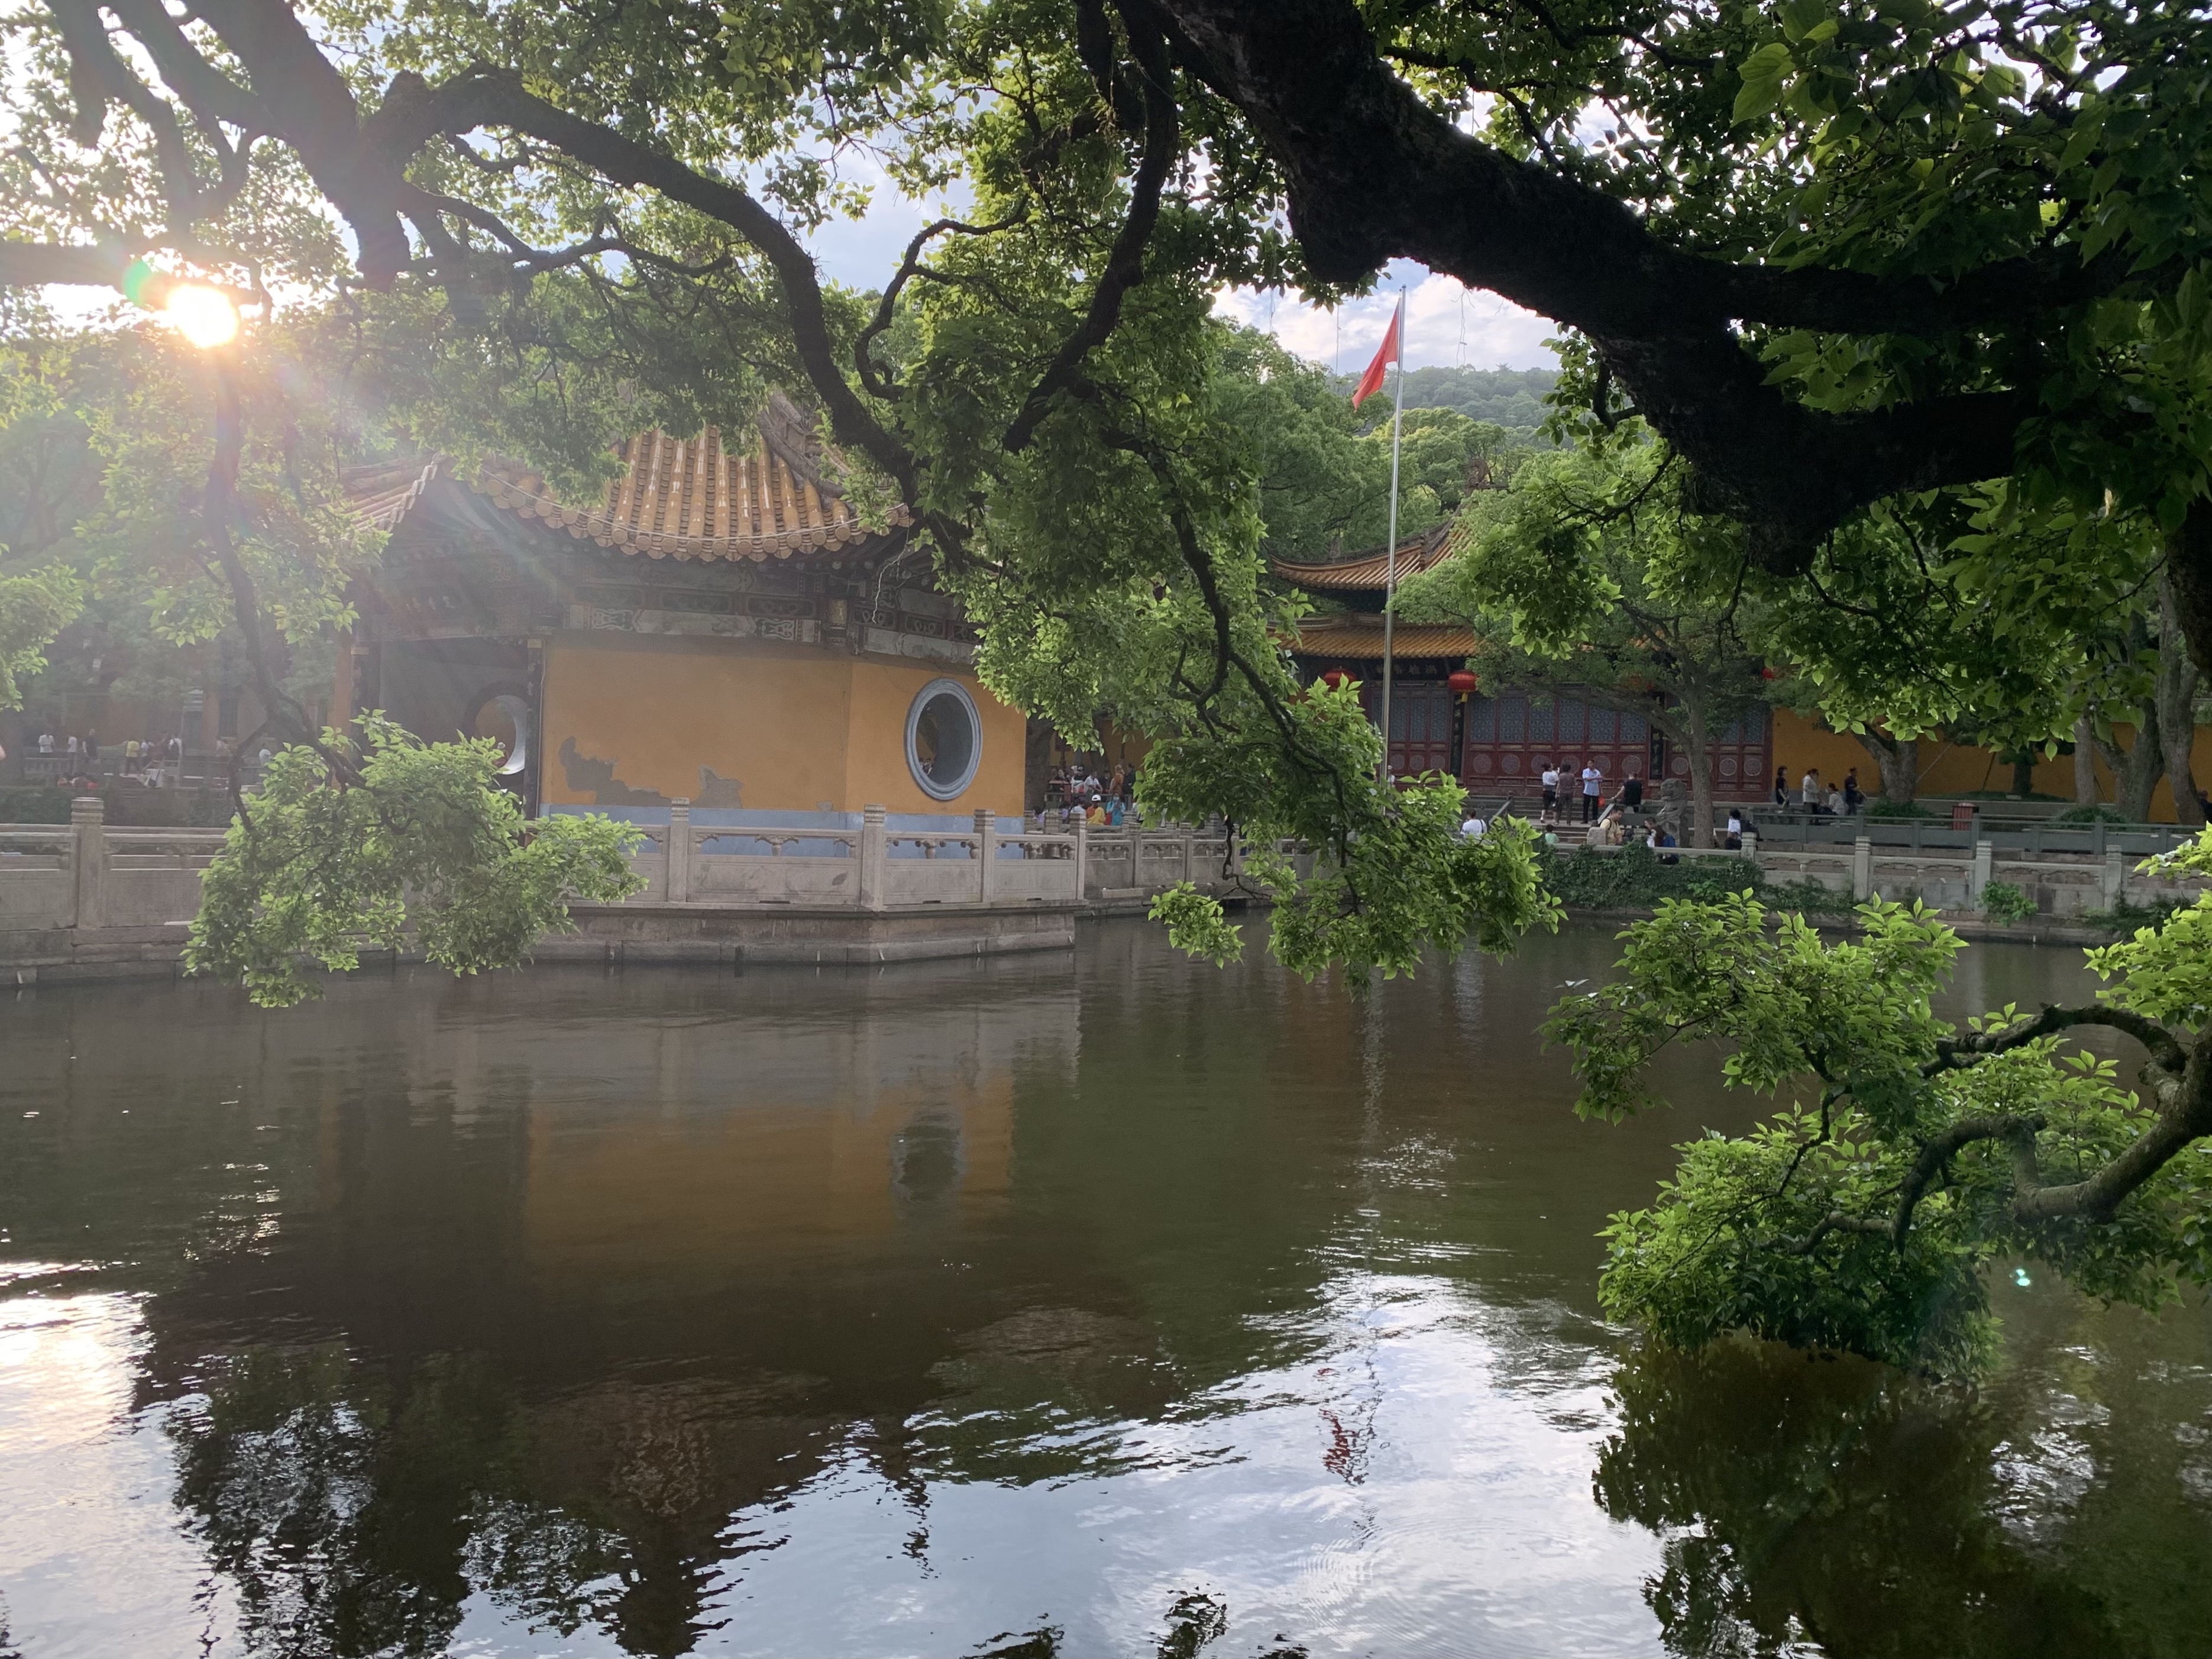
x=1634 y=879
x=2089 y=815
x=127 y=806
x=1885 y=808
x=2127 y=915
x=2001 y=901
x=34 y=803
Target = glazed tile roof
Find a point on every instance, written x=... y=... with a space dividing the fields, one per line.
x=1368 y=573
x=677 y=499
x=1358 y=636
x=378 y=497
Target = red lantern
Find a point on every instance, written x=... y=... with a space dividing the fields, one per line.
x=1335 y=679
x=1461 y=682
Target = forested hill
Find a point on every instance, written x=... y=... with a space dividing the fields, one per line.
x=1511 y=397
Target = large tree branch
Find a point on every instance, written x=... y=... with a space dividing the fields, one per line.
x=309 y=106
x=1125 y=263
x=878 y=381
x=97 y=77
x=2184 y=1118
x=499 y=99
x=1373 y=173
x=2166 y=1052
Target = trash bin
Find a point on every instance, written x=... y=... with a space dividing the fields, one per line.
x=1962 y=815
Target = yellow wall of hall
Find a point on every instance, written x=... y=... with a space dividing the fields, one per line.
x=794 y=727
x=883 y=690
x=1948 y=769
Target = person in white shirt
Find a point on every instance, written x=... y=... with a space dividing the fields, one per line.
x=1809 y=790
x=1593 y=781
x=1734 y=841
x=1835 y=803
x=1474 y=829
x=46 y=743
x=1550 y=790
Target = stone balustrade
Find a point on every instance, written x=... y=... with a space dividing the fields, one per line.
x=878 y=867
x=86 y=875
x=82 y=896
x=2061 y=886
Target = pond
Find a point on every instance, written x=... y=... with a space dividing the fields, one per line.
x=1089 y=1305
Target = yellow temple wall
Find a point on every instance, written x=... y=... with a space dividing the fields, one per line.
x=792 y=728
x=1948 y=769
x=875 y=751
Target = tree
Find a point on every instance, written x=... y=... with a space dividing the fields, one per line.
x=344 y=847
x=1908 y=1155
x=1930 y=254
x=1588 y=572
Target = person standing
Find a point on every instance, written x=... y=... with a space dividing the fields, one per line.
x=1550 y=790
x=1631 y=792
x=1593 y=782
x=1809 y=790
x=1781 y=786
x=1854 y=797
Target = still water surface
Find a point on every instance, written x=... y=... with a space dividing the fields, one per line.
x=1101 y=1304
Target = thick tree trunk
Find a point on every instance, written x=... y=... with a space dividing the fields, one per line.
x=1899 y=763
x=2187 y=585
x=2178 y=681
x=2136 y=771
x=1701 y=790
x=2085 y=763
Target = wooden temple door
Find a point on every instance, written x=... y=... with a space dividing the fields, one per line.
x=1420 y=725
x=1512 y=738
x=1742 y=759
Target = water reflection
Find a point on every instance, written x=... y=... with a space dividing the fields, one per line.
x=1107 y=1306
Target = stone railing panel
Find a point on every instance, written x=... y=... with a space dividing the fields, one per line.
x=737 y=878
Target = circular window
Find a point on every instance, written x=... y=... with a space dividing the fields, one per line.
x=944 y=738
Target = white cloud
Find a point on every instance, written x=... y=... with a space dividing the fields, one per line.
x=1445 y=324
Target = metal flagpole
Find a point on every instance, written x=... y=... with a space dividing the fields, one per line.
x=1390 y=546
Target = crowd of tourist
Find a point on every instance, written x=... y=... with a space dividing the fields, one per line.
x=81 y=761
x=1844 y=799
x=1076 y=793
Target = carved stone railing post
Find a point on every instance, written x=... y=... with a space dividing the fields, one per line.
x=1863 y=868
x=1190 y=854
x=1983 y=859
x=875 y=858
x=985 y=860
x=2113 y=886
x=1082 y=857
x=88 y=822
x=679 y=851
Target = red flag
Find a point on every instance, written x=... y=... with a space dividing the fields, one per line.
x=1371 y=381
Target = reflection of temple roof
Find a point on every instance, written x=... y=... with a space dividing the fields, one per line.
x=1368 y=572
x=678 y=498
x=1358 y=636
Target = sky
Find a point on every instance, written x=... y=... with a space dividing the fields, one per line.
x=1445 y=323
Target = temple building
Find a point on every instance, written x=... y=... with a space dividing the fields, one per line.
x=720 y=628
x=1493 y=739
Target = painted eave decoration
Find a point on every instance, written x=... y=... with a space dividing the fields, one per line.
x=1358 y=637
